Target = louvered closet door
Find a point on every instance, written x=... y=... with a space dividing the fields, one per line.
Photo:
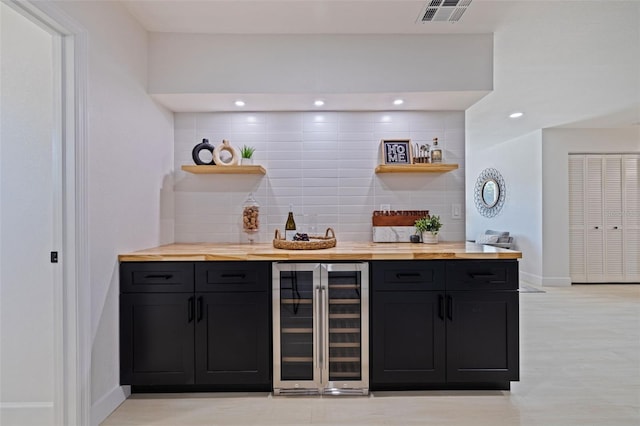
x=612 y=219
x=577 y=254
x=631 y=216
x=593 y=219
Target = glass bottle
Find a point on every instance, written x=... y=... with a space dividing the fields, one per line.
x=436 y=152
x=250 y=217
x=290 y=226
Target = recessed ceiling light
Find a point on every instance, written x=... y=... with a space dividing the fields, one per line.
x=318 y=102
x=398 y=102
x=239 y=103
x=516 y=115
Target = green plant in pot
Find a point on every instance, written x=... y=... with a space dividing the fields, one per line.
x=246 y=152
x=428 y=227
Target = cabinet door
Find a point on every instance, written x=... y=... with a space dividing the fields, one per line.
x=232 y=339
x=407 y=338
x=156 y=339
x=482 y=336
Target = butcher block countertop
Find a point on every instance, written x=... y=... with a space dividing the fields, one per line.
x=343 y=251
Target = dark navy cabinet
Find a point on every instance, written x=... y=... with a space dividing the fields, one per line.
x=444 y=324
x=195 y=325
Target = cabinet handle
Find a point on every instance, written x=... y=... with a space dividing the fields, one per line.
x=441 y=306
x=241 y=276
x=481 y=275
x=450 y=308
x=596 y=227
x=165 y=276
x=199 y=309
x=411 y=275
x=615 y=227
x=191 y=303
x=317 y=328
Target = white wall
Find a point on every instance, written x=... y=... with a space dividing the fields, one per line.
x=557 y=144
x=321 y=163
x=519 y=161
x=130 y=160
x=26 y=222
x=563 y=63
x=212 y=63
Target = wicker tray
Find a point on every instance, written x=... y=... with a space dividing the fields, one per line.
x=315 y=242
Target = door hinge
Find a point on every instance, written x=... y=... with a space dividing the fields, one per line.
x=54 y=257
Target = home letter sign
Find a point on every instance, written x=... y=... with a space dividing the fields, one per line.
x=396 y=151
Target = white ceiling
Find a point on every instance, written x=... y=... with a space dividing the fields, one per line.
x=310 y=16
x=542 y=76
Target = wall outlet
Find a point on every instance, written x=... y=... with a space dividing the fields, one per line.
x=385 y=207
x=456 y=211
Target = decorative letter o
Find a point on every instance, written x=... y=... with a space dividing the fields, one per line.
x=225 y=146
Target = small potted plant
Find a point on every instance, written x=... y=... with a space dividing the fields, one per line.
x=247 y=152
x=428 y=227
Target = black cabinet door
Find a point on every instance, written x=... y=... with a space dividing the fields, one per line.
x=232 y=339
x=156 y=338
x=482 y=336
x=407 y=338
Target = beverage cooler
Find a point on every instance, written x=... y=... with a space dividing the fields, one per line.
x=321 y=328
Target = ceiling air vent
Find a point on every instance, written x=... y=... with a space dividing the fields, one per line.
x=443 y=10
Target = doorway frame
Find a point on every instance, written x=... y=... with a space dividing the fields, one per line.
x=72 y=314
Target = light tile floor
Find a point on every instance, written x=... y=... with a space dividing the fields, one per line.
x=580 y=365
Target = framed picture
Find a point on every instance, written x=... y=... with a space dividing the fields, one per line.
x=396 y=151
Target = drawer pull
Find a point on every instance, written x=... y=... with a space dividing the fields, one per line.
x=241 y=276
x=481 y=275
x=155 y=276
x=408 y=275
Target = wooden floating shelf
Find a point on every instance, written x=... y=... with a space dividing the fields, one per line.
x=226 y=170
x=416 y=168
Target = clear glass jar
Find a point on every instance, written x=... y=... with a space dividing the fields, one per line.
x=251 y=217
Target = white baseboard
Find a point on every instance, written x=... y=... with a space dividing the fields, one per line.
x=101 y=409
x=545 y=281
x=556 y=282
x=531 y=278
x=26 y=413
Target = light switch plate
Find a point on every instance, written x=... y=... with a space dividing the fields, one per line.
x=456 y=211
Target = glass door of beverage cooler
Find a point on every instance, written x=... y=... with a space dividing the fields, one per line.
x=296 y=310
x=345 y=300
x=320 y=322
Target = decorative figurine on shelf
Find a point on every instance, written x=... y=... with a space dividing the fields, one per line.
x=202 y=146
x=436 y=152
x=422 y=154
x=247 y=152
x=231 y=159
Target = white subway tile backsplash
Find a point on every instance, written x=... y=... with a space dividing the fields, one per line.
x=320 y=162
x=218 y=122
